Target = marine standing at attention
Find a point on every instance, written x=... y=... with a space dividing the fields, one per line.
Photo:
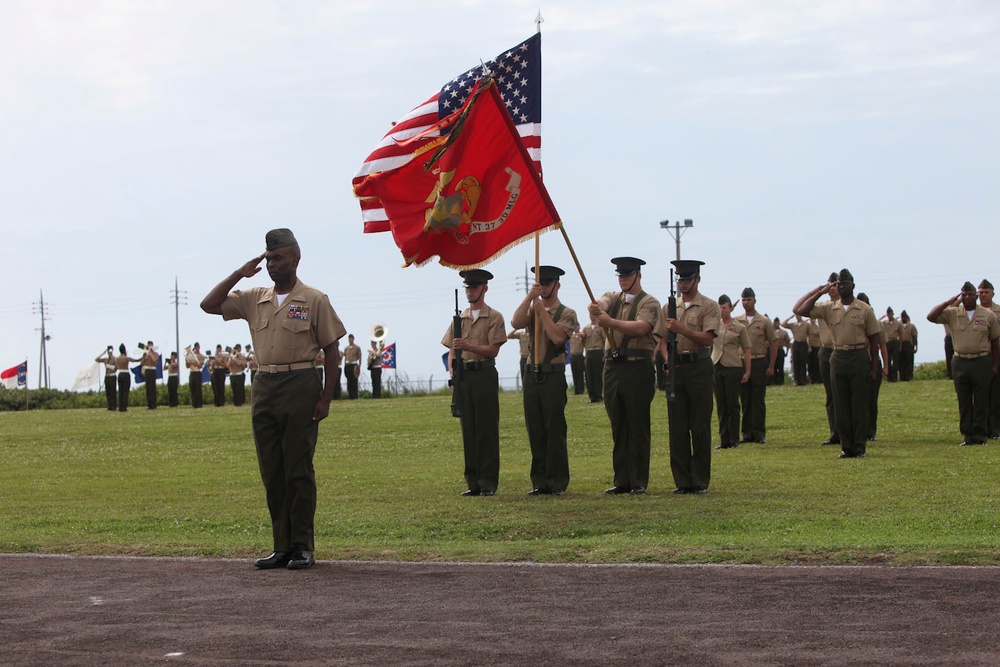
x=220 y=369
x=593 y=343
x=697 y=324
x=290 y=323
x=629 y=378
x=375 y=367
x=986 y=300
x=974 y=333
x=577 y=363
x=483 y=333
x=800 y=348
x=237 y=375
x=352 y=367
x=195 y=361
x=150 y=357
x=763 y=354
x=544 y=394
x=731 y=354
x=907 y=347
x=173 y=380
x=893 y=329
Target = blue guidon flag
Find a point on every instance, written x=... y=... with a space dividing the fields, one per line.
x=518 y=75
x=389 y=356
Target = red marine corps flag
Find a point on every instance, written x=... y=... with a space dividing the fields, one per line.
x=469 y=190
x=518 y=74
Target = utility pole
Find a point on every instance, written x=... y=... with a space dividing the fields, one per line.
x=43 y=359
x=527 y=281
x=176 y=298
x=676 y=230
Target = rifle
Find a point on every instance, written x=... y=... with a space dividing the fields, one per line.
x=456 y=363
x=671 y=343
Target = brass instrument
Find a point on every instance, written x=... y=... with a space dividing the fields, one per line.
x=378 y=332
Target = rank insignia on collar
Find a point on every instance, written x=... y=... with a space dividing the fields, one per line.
x=296 y=312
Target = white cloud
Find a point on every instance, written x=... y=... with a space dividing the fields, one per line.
x=119 y=55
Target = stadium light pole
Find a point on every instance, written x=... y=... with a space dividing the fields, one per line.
x=677 y=229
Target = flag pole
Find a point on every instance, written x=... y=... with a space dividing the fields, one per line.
x=538 y=235
x=538 y=323
x=586 y=285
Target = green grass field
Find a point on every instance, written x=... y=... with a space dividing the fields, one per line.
x=184 y=482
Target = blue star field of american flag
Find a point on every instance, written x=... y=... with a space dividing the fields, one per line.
x=518 y=74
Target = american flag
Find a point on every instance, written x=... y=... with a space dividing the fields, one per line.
x=518 y=74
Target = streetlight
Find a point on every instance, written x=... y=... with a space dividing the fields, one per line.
x=677 y=229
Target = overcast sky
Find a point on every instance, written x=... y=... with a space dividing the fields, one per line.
x=140 y=141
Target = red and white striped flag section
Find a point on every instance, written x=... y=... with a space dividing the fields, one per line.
x=518 y=73
x=16 y=376
x=465 y=197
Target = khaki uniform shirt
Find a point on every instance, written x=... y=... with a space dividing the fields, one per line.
x=761 y=332
x=825 y=336
x=701 y=314
x=970 y=336
x=375 y=358
x=783 y=340
x=575 y=342
x=850 y=328
x=907 y=333
x=731 y=344
x=522 y=343
x=352 y=354
x=194 y=360
x=800 y=331
x=237 y=363
x=815 y=341
x=220 y=360
x=593 y=337
x=488 y=329
x=892 y=330
x=647 y=310
x=567 y=322
x=293 y=332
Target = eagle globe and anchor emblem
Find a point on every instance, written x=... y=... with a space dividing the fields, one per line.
x=453 y=213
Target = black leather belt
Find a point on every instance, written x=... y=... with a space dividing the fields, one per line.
x=478 y=365
x=546 y=368
x=629 y=354
x=691 y=357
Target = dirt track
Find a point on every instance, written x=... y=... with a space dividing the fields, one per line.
x=139 y=611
